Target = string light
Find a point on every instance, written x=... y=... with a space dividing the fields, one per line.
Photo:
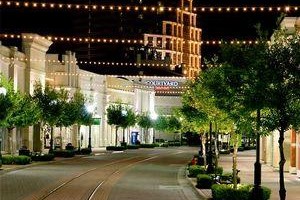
x=93 y=63
x=125 y=76
x=120 y=40
x=95 y=7
x=134 y=86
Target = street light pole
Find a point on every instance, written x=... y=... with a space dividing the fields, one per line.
x=210 y=167
x=90 y=109
x=257 y=191
x=90 y=138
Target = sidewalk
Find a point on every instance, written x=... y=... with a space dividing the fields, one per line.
x=270 y=176
x=8 y=168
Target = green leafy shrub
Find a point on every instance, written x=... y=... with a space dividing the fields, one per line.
x=18 y=160
x=7 y=159
x=227 y=178
x=218 y=170
x=148 y=145
x=164 y=144
x=194 y=170
x=204 y=181
x=243 y=192
x=133 y=146
x=85 y=151
x=266 y=192
x=241 y=149
x=174 y=143
x=114 y=148
x=22 y=160
x=42 y=157
x=63 y=153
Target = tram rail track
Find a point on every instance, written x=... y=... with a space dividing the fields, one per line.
x=107 y=174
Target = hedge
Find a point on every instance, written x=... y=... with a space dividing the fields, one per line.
x=133 y=146
x=194 y=170
x=42 y=157
x=148 y=145
x=63 y=153
x=18 y=160
x=244 y=192
x=115 y=148
x=204 y=181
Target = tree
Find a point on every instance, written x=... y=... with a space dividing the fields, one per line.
x=5 y=101
x=199 y=106
x=144 y=121
x=79 y=113
x=264 y=78
x=66 y=118
x=174 y=124
x=129 y=119
x=161 y=123
x=24 y=112
x=19 y=110
x=114 y=117
x=48 y=101
x=283 y=58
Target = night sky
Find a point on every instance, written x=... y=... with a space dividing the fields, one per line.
x=113 y=24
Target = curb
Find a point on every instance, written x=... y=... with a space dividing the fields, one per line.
x=205 y=194
x=34 y=163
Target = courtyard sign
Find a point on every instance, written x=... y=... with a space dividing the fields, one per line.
x=162 y=83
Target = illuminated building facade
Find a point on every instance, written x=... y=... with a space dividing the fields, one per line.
x=179 y=43
x=34 y=64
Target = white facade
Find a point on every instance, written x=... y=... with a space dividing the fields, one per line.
x=101 y=90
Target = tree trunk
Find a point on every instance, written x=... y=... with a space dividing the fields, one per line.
x=282 y=191
x=234 y=160
x=51 y=140
x=146 y=135
x=60 y=135
x=123 y=135
x=78 y=137
x=201 y=145
x=9 y=143
x=116 y=139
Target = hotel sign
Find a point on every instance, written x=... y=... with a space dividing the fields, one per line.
x=162 y=83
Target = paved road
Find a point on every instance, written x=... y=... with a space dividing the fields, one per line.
x=134 y=174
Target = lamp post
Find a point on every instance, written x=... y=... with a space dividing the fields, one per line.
x=257 y=191
x=90 y=138
x=209 y=156
x=90 y=110
x=124 y=114
x=3 y=92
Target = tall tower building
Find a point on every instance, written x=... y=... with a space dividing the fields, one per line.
x=179 y=43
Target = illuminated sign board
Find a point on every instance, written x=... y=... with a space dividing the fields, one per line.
x=162 y=83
